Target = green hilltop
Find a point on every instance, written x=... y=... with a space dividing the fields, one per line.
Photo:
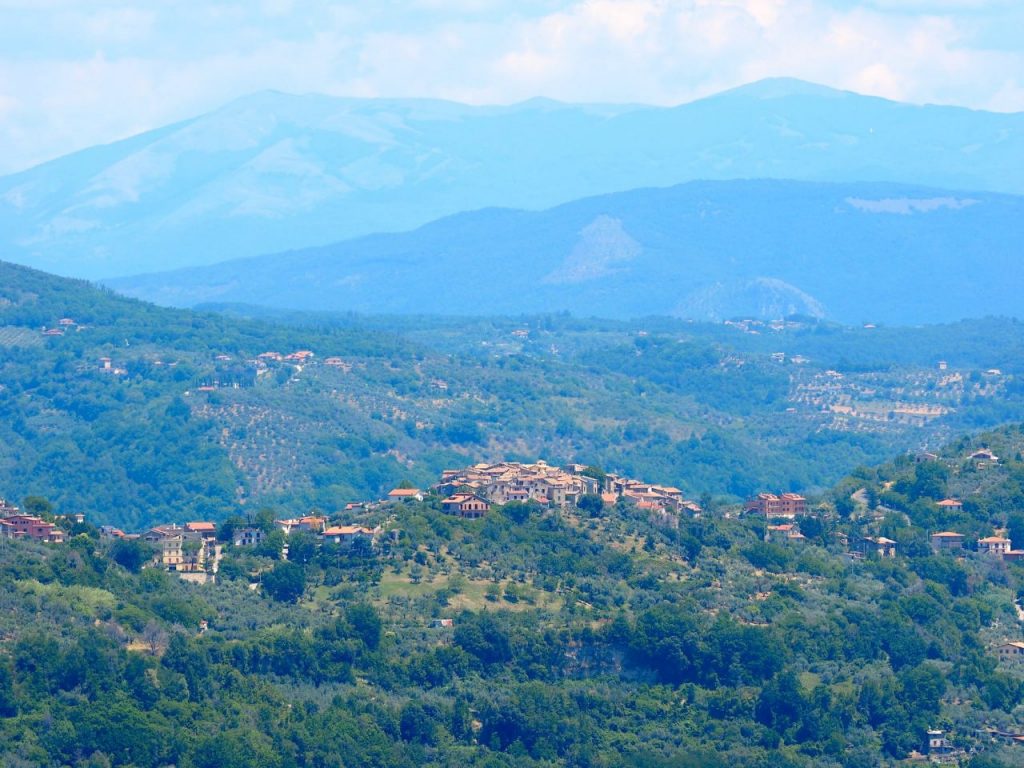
x=530 y=637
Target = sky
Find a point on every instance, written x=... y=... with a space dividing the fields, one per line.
x=75 y=73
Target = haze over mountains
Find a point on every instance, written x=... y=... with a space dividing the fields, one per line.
x=273 y=172
x=704 y=250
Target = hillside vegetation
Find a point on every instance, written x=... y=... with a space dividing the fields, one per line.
x=188 y=422
x=851 y=252
x=576 y=640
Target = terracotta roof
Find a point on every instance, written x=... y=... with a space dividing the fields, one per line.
x=399 y=493
x=347 y=530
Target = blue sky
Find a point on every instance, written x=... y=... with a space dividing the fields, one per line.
x=74 y=73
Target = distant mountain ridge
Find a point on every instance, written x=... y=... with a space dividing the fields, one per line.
x=274 y=172
x=702 y=250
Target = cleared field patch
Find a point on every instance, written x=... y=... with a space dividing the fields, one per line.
x=16 y=336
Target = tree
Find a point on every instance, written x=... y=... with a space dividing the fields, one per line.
x=272 y=544
x=155 y=638
x=264 y=520
x=591 y=503
x=1015 y=528
x=131 y=554
x=226 y=531
x=365 y=623
x=285 y=582
x=302 y=547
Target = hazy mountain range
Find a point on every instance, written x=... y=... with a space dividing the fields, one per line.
x=273 y=172
x=706 y=250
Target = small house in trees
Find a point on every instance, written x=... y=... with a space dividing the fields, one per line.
x=878 y=545
x=983 y=458
x=248 y=537
x=994 y=545
x=1011 y=652
x=467 y=505
x=938 y=744
x=347 y=535
x=206 y=531
x=406 y=494
x=787 y=532
x=947 y=541
x=951 y=505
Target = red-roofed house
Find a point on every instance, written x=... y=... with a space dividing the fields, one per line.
x=406 y=494
x=208 y=531
x=348 y=534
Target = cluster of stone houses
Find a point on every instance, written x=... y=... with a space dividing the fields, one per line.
x=193 y=552
x=510 y=481
x=333 y=534
x=299 y=356
x=657 y=498
x=995 y=546
x=951 y=542
x=471 y=491
x=64 y=325
x=190 y=550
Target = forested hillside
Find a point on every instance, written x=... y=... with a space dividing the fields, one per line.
x=131 y=413
x=602 y=638
x=852 y=252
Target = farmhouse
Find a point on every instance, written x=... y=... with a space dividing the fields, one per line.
x=248 y=537
x=1012 y=651
x=878 y=545
x=347 y=535
x=406 y=494
x=467 y=505
x=947 y=541
x=994 y=545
